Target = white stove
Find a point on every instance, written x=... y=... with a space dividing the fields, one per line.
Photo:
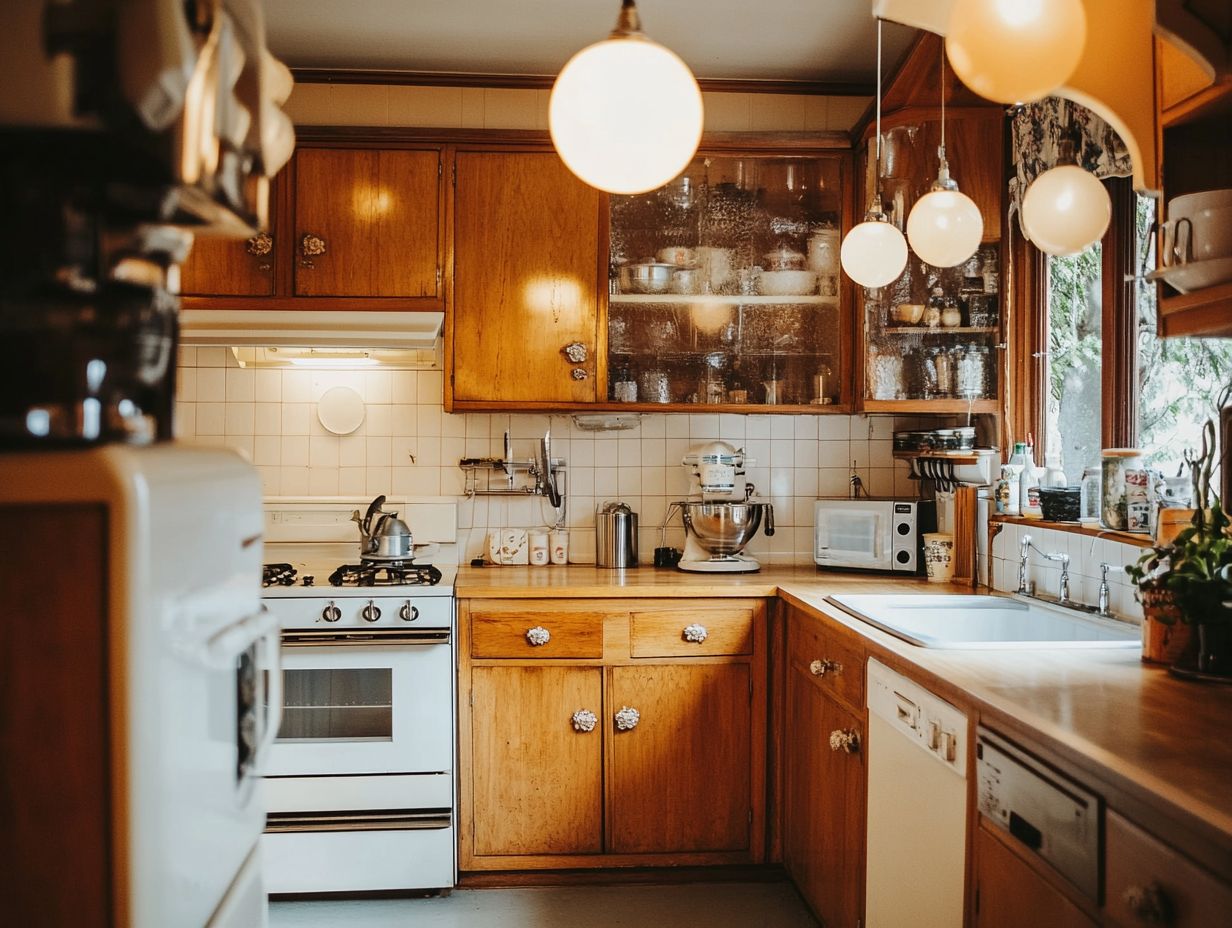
x=361 y=783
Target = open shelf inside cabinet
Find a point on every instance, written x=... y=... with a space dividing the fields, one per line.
x=730 y=226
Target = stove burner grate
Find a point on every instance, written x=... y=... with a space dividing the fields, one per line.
x=277 y=575
x=385 y=573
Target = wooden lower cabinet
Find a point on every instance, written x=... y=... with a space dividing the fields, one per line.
x=824 y=802
x=680 y=777
x=684 y=785
x=1009 y=893
x=538 y=782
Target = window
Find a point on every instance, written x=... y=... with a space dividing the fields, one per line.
x=1074 y=360
x=1107 y=379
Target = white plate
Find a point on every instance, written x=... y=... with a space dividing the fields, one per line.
x=341 y=410
x=1196 y=275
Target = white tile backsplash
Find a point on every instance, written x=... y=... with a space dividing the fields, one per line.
x=408 y=444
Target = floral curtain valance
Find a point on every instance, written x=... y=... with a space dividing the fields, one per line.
x=1036 y=131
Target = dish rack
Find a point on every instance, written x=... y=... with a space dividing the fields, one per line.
x=974 y=467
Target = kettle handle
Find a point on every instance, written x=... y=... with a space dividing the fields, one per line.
x=366 y=525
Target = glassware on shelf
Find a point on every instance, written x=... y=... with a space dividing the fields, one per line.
x=990 y=274
x=738 y=385
x=885 y=373
x=624 y=389
x=654 y=385
x=944 y=362
x=711 y=388
x=972 y=372
x=934 y=309
x=823 y=383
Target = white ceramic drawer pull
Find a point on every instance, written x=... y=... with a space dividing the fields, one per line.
x=584 y=720
x=1149 y=904
x=626 y=718
x=823 y=667
x=695 y=633
x=538 y=636
x=845 y=739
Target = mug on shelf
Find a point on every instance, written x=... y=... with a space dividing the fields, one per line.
x=939 y=557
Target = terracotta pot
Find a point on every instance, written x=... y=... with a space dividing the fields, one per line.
x=1163 y=642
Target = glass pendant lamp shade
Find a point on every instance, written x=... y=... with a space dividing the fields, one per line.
x=1015 y=51
x=1066 y=210
x=626 y=113
x=874 y=253
x=945 y=228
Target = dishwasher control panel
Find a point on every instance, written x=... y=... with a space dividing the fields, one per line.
x=1047 y=812
x=931 y=723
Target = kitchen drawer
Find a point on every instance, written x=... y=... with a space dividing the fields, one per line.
x=1148 y=883
x=691 y=632
x=836 y=665
x=513 y=633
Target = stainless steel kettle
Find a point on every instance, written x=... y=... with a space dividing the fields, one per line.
x=389 y=539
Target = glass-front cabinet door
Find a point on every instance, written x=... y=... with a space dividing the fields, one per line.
x=725 y=287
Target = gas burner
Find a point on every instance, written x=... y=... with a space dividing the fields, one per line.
x=385 y=573
x=277 y=575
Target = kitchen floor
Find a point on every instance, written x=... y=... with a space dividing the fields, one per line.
x=691 y=905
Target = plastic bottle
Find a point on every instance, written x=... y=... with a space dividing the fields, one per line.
x=1090 y=495
x=1054 y=476
x=1031 y=508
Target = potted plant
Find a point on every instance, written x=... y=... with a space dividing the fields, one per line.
x=1190 y=579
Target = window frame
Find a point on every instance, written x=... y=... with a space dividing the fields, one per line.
x=1028 y=329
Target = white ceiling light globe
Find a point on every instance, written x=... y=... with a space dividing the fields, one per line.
x=874 y=253
x=1066 y=210
x=945 y=228
x=1015 y=51
x=626 y=115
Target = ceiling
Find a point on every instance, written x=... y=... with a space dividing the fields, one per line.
x=779 y=40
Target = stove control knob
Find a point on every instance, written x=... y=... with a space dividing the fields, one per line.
x=331 y=613
x=370 y=612
x=408 y=613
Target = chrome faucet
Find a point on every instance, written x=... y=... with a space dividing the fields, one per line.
x=1104 y=608
x=1025 y=586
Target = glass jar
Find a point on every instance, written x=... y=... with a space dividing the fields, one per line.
x=624 y=389
x=971 y=378
x=936 y=306
x=885 y=374
x=944 y=363
x=1114 y=489
x=990 y=274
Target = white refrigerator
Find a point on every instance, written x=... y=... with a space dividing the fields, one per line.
x=142 y=680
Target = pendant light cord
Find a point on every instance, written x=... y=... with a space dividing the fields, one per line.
x=878 y=104
x=943 y=102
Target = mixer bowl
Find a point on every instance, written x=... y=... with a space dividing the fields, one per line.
x=723 y=528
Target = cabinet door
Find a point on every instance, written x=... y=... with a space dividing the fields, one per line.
x=526 y=254
x=538 y=782
x=227 y=267
x=681 y=778
x=1009 y=894
x=367 y=222
x=823 y=815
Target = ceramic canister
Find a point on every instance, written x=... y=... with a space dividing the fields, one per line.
x=1114 y=496
x=939 y=557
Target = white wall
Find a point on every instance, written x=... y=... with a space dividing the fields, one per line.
x=270 y=416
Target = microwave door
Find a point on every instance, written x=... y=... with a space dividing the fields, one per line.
x=851 y=538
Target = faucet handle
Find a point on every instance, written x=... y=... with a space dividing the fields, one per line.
x=1105 y=568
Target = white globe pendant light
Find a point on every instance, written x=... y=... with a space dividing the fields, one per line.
x=874 y=253
x=1015 y=51
x=1066 y=210
x=626 y=113
x=945 y=226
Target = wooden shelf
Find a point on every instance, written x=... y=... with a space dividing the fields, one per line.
x=1078 y=528
x=931 y=406
x=719 y=299
x=954 y=457
x=941 y=330
x=1203 y=312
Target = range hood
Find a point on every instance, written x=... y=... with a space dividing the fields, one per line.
x=264 y=338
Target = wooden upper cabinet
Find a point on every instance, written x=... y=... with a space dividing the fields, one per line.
x=367 y=222
x=226 y=267
x=526 y=270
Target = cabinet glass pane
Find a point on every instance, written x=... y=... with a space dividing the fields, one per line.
x=337 y=705
x=724 y=285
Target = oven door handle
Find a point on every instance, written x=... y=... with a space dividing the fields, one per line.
x=271 y=648
x=377 y=637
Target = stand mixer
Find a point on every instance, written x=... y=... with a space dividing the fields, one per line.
x=719 y=517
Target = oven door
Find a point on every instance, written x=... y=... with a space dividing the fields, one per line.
x=378 y=701
x=853 y=534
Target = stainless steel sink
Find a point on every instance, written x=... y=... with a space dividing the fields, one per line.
x=930 y=620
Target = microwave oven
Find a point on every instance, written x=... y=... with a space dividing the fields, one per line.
x=872 y=534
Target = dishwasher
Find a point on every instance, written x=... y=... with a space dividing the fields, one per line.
x=917 y=805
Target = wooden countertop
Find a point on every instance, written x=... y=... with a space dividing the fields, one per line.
x=1155 y=747
x=578 y=581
